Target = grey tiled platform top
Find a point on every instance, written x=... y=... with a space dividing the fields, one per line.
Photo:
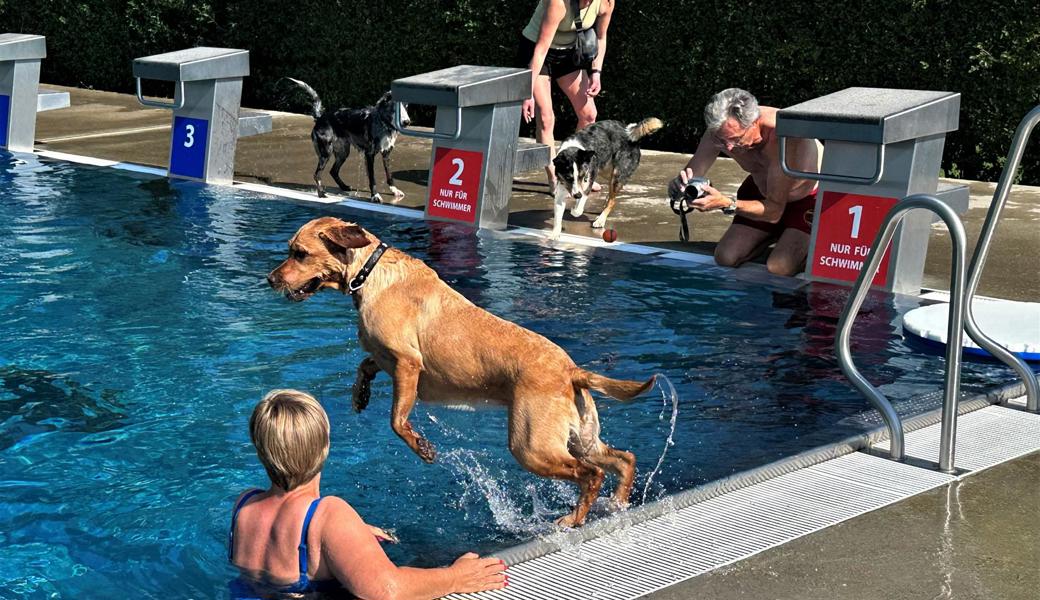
x=465 y=85
x=872 y=115
x=21 y=46
x=194 y=64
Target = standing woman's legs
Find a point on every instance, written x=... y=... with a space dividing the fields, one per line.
x=575 y=86
x=545 y=120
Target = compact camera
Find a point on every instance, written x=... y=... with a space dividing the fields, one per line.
x=695 y=188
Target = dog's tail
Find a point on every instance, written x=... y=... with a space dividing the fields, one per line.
x=615 y=388
x=637 y=131
x=316 y=106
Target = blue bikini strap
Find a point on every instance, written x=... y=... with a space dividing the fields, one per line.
x=234 y=519
x=303 y=537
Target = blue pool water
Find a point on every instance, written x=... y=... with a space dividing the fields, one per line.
x=139 y=332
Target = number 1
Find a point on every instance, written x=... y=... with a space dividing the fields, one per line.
x=856 y=212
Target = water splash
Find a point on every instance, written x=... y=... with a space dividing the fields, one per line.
x=667 y=390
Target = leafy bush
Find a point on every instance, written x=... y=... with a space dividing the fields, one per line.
x=665 y=59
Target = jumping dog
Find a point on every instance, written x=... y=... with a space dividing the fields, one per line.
x=437 y=345
x=370 y=129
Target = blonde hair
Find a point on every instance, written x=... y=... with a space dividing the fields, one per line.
x=291 y=433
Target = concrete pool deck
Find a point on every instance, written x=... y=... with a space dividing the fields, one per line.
x=984 y=543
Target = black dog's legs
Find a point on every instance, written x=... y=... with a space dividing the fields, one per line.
x=370 y=168
x=366 y=372
x=323 y=159
x=390 y=176
x=342 y=153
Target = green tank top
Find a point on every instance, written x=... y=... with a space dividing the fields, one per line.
x=565 y=32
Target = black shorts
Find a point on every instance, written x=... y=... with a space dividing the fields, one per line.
x=557 y=62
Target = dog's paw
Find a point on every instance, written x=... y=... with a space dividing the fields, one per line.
x=397 y=193
x=321 y=193
x=568 y=521
x=554 y=235
x=599 y=223
x=425 y=450
x=577 y=212
x=614 y=505
x=361 y=394
x=377 y=198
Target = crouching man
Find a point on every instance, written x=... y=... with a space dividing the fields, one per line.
x=769 y=206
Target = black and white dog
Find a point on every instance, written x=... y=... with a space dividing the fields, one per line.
x=371 y=129
x=583 y=154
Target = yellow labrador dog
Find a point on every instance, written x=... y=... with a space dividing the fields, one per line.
x=439 y=346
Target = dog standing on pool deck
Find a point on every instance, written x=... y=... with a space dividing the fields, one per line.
x=370 y=129
x=437 y=345
x=582 y=155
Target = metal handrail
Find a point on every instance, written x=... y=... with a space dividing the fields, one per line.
x=954 y=334
x=432 y=135
x=879 y=169
x=177 y=104
x=978 y=260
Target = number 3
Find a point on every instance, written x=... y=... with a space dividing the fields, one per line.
x=455 y=178
x=856 y=212
x=189 y=136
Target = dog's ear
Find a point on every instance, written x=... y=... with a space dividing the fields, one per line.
x=344 y=237
x=560 y=162
x=586 y=156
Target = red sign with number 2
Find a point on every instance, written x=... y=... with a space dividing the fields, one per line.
x=455 y=185
x=846 y=228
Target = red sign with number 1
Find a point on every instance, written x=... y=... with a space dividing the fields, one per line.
x=846 y=228
x=455 y=185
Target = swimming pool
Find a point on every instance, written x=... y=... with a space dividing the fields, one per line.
x=139 y=333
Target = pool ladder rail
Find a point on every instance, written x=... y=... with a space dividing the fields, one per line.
x=961 y=294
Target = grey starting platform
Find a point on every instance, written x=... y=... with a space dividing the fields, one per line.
x=530 y=156
x=51 y=100
x=207 y=120
x=874 y=115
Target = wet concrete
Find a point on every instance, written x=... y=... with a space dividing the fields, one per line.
x=116 y=127
x=976 y=539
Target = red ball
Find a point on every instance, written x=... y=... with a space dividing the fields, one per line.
x=610 y=235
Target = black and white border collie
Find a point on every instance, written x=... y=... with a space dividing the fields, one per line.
x=370 y=129
x=583 y=154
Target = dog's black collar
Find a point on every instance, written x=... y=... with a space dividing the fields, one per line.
x=362 y=276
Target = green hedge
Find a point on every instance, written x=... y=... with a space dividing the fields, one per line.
x=665 y=58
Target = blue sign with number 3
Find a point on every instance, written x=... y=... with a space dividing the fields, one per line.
x=188 y=153
x=5 y=110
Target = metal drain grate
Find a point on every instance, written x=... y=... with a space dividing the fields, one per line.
x=985 y=438
x=646 y=557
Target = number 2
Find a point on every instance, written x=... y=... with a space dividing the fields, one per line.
x=189 y=135
x=455 y=178
x=856 y=212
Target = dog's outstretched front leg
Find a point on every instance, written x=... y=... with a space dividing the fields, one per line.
x=559 y=203
x=370 y=168
x=406 y=383
x=362 y=391
x=390 y=176
x=615 y=187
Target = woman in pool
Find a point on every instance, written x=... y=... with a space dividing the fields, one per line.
x=288 y=539
x=546 y=48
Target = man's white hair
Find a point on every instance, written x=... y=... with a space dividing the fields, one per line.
x=732 y=103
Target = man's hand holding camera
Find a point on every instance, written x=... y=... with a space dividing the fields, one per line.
x=698 y=194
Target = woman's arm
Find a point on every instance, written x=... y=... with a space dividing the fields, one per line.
x=602 y=23
x=555 y=10
x=356 y=560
